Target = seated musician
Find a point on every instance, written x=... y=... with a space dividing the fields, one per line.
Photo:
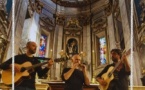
x=22 y=60
x=120 y=80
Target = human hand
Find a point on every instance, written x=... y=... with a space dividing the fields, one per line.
x=124 y=58
x=82 y=66
x=50 y=63
x=102 y=82
x=17 y=68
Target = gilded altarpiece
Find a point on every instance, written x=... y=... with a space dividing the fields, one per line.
x=73 y=34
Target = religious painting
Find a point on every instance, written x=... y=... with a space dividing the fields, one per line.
x=71 y=47
x=103 y=54
x=43 y=44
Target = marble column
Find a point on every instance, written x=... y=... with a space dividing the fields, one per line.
x=127 y=38
x=125 y=23
x=59 y=49
x=19 y=23
x=58 y=36
x=87 y=47
x=110 y=34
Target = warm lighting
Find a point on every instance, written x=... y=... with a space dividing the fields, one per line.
x=83 y=54
x=62 y=53
x=93 y=80
x=93 y=51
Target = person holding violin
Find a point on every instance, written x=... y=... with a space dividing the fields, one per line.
x=121 y=72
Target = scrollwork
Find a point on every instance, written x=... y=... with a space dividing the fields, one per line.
x=3 y=43
x=142 y=39
x=35 y=6
x=73 y=23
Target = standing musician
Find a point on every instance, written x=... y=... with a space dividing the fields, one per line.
x=29 y=83
x=121 y=73
x=75 y=76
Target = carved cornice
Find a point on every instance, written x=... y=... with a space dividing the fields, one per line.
x=84 y=19
x=99 y=25
x=112 y=7
x=60 y=19
x=47 y=23
x=73 y=32
x=75 y=3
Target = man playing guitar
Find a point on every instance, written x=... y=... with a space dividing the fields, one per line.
x=28 y=83
x=119 y=74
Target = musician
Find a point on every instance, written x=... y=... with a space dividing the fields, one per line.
x=29 y=83
x=120 y=81
x=75 y=76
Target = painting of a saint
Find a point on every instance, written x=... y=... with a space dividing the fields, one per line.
x=42 y=49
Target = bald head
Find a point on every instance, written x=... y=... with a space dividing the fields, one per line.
x=29 y=43
x=31 y=47
x=76 y=56
x=76 y=59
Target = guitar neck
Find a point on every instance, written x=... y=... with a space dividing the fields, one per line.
x=37 y=65
x=40 y=64
x=116 y=66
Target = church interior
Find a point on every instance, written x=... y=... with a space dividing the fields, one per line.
x=61 y=28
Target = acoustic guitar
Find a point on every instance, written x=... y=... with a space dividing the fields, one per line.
x=26 y=69
x=108 y=76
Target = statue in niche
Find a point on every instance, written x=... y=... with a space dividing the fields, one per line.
x=71 y=48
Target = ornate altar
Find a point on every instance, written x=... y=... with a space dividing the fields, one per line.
x=59 y=85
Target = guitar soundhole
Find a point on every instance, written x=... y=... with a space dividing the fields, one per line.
x=22 y=69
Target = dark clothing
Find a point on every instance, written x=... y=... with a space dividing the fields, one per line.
x=76 y=80
x=120 y=81
x=23 y=88
x=20 y=59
